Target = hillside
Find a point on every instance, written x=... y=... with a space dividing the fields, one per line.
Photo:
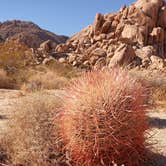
x=28 y=33
x=133 y=36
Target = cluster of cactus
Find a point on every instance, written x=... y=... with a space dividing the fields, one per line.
x=104 y=119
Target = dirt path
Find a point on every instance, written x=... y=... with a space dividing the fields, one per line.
x=9 y=98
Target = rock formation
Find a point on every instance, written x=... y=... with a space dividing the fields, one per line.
x=134 y=36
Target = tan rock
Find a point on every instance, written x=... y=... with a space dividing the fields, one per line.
x=47 y=46
x=146 y=52
x=86 y=63
x=157 y=62
x=75 y=63
x=71 y=58
x=106 y=27
x=93 y=60
x=158 y=35
x=124 y=55
x=150 y=7
x=100 y=63
x=132 y=34
x=125 y=13
x=100 y=37
x=145 y=63
x=110 y=35
x=48 y=60
x=110 y=17
x=62 y=60
x=62 y=48
x=115 y=24
x=162 y=17
x=99 y=52
x=140 y=18
x=99 y=19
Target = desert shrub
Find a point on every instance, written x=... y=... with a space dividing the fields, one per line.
x=32 y=138
x=156 y=80
x=14 y=55
x=5 y=81
x=104 y=119
x=159 y=96
x=44 y=80
x=64 y=70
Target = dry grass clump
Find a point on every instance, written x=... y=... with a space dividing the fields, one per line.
x=64 y=70
x=159 y=95
x=5 y=81
x=45 y=80
x=104 y=119
x=32 y=138
x=157 y=81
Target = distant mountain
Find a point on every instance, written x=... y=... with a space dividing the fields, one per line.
x=28 y=33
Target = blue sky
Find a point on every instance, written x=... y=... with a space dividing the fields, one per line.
x=64 y=17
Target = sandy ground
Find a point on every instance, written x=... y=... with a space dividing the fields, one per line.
x=158 y=135
x=9 y=98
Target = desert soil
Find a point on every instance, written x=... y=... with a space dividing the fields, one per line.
x=10 y=98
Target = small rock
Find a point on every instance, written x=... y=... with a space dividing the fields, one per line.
x=62 y=60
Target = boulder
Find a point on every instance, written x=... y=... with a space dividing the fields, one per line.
x=146 y=52
x=47 y=46
x=132 y=34
x=48 y=60
x=93 y=59
x=106 y=27
x=124 y=55
x=150 y=8
x=158 y=35
x=99 y=52
x=62 y=60
x=157 y=62
x=99 y=20
x=162 y=17
x=100 y=63
x=72 y=58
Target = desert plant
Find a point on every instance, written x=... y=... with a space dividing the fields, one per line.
x=5 y=81
x=104 y=119
x=44 y=80
x=32 y=138
x=64 y=70
x=159 y=96
x=14 y=55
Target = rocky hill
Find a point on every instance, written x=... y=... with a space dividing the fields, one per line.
x=134 y=36
x=27 y=33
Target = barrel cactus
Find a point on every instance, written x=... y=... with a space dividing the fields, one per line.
x=104 y=119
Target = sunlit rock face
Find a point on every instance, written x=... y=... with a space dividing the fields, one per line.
x=139 y=28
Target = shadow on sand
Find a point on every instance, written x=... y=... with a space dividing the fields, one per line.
x=3 y=117
x=157 y=160
x=158 y=123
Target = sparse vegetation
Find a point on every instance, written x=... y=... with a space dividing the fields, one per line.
x=32 y=138
x=156 y=80
x=5 y=81
x=105 y=119
x=64 y=70
x=47 y=80
x=14 y=55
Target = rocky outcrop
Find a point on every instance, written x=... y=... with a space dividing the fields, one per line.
x=134 y=35
x=124 y=55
